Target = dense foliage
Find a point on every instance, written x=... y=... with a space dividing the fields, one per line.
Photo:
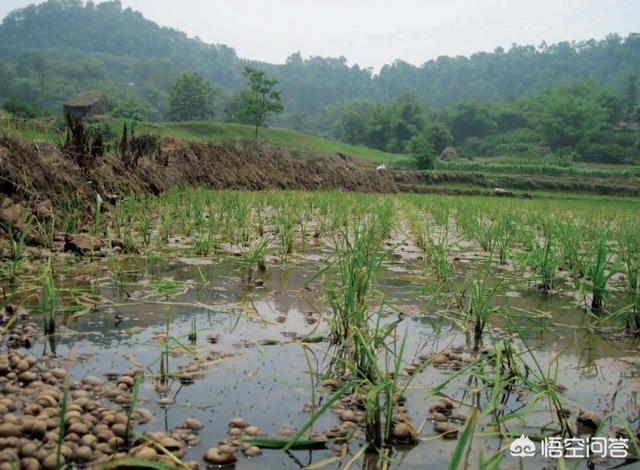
x=190 y=99
x=580 y=120
x=522 y=101
x=87 y=45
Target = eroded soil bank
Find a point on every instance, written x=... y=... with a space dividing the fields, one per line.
x=33 y=172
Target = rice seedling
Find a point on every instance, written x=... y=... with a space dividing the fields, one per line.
x=373 y=364
x=504 y=231
x=144 y=226
x=17 y=244
x=253 y=258
x=93 y=294
x=285 y=221
x=358 y=258
x=193 y=332
x=441 y=214
x=417 y=227
x=166 y=224
x=242 y=213
x=164 y=372
x=366 y=348
x=600 y=268
x=379 y=383
x=71 y=213
x=521 y=372
x=204 y=236
x=305 y=218
x=184 y=221
x=135 y=394
x=484 y=231
x=49 y=300
x=98 y=225
x=503 y=372
x=543 y=259
x=46 y=231
x=435 y=242
x=438 y=255
x=62 y=422
x=479 y=307
x=323 y=217
x=124 y=223
x=630 y=250
x=572 y=246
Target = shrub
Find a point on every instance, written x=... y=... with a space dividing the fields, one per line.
x=23 y=109
x=423 y=153
x=439 y=137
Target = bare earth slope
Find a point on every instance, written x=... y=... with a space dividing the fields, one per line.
x=36 y=171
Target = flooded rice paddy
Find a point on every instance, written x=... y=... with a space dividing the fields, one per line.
x=230 y=349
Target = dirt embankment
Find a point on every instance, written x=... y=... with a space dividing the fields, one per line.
x=33 y=172
x=41 y=176
x=426 y=181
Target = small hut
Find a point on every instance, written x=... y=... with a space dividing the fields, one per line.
x=449 y=154
x=86 y=105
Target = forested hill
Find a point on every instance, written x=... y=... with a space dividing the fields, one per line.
x=52 y=50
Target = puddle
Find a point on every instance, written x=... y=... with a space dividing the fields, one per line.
x=259 y=350
x=266 y=379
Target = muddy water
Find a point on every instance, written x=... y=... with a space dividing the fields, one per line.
x=270 y=384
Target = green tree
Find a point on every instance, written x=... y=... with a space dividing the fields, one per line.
x=631 y=97
x=472 y=119
x=191 y=98
x=234 y=109
x=423 y=153
x=352 y=127
x=260 y=98
x=439 y=137
x=23 y=109
x=406 y=119
x=133 y=107
x=567 y=119
x=6 y=77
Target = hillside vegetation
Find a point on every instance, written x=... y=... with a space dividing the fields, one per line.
x=552 y=105
x=104 y=46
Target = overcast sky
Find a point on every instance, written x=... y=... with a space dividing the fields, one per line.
x=375 y=32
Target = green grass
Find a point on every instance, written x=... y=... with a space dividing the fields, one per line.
x=210 y=131
x=225 y=132
x=534 y=168
x=31 y=129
